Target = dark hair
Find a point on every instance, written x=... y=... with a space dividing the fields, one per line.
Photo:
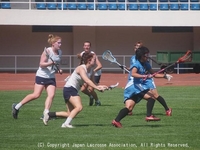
x=141 y=52
x=87 y=42
x=86 y=57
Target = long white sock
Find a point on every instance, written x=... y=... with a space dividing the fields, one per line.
x=18 y=106
x=46 y=111
x=68 y=120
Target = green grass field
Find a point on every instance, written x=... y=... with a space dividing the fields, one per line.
x=93 y=129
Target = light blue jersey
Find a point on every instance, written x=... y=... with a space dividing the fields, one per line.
x=135 y=86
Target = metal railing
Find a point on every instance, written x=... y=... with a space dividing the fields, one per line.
x=29 y=63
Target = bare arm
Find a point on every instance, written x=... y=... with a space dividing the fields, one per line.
x=44 y=61
x=99 y=65
x=83 y=75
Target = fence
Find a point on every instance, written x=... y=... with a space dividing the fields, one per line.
x=30 y=63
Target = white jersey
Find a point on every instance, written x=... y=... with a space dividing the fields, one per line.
x=75 y=79
x=97 y=73
x=49 y=72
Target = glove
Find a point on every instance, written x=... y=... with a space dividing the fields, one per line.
x=168 y=77
x=122 y=67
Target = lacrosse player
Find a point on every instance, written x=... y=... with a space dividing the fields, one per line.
x=45 y=77
x=137 y=87
x=73 y=85
x=97 y=75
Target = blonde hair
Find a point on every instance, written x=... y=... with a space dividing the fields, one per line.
x=53 y=38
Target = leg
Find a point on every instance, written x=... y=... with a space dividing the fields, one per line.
x=36 y=93
x=162 y=101
x=150 y=105
x=129 y=105
x=74 y=106
x=84 y=89
x=50 y=95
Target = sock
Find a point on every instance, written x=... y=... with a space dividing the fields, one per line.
x=162 y=102
x=150 y=104
x=68 y=120
x=46 y=111
x=52 y=114
x=18 y=106
x=122 y=113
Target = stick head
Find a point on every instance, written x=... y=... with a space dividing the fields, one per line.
x=113 y=86
x=186 y=58
x=107 y=55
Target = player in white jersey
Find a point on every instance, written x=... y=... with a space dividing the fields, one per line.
x=73 y=85
x=45 y=77
x=97 y=75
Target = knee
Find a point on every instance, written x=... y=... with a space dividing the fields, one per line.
x=79 y=108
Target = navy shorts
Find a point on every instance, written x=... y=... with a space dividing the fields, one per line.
x=68 y=92
x=45 y=81
x=97 y=79
x=138 y=97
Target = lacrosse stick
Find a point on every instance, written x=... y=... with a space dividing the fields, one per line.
x=56 y=65
x=113 y=86
x=107 y=55
x=186 y=58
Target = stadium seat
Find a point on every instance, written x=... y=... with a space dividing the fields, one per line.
x=164 y=6
x=173 y=0
x=152 y=0
x=90 y=6
x=174 y=6
x=133 y=6
x=112 y=6
x=51 y=5
x=163 y=0
x=184 y=6
x=132 y=0
x=152 y=6
x=195 y=6
x=121 y=0
x=121 y=6
x=40 y=4
x=111 y=0
x=71 y=6
x=60 y=5
x=82 y=6
x=102 y=6
x=143 y=6
x=101 y=0
x=5 y=5
x=194 y=0
x=142 y=0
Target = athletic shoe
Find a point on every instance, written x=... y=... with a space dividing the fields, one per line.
x=116 y=124
x=66 y=126
x=91 y=102
x=50 y=118
x=130 y=113
x=98 y=103
x=152 y=118
x=14 y=111
x=169 y=112
x=45 y=118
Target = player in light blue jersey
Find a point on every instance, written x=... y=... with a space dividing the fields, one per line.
x=45 y=77
x=151 y=84
x=137 y=88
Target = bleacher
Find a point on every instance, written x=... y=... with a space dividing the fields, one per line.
x=112 y=5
